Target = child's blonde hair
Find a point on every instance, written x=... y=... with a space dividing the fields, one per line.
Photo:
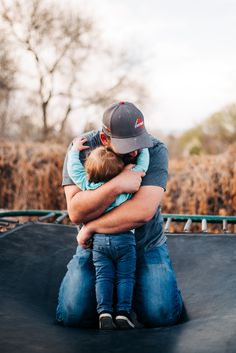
x=103 y=164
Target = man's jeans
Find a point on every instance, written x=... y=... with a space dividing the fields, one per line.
x=114 y=258
x=156 y=301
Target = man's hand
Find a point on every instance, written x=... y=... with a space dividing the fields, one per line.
x=78 y=144
x=84 y=238
x=128 y=180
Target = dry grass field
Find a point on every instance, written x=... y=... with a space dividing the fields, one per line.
x=203 y=185
x=31 y=179
x=31 y=176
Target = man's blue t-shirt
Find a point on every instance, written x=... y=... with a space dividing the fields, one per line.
x=151 y=233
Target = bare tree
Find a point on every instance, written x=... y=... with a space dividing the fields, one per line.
x=54 y=40
x=55 y=45
x=7 y=85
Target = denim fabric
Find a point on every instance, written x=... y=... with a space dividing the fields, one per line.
x=114 y=257
x=157 y=299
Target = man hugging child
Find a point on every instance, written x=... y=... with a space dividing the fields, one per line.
x=114 y=255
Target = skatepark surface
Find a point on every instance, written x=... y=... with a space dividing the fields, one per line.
x=33 y=259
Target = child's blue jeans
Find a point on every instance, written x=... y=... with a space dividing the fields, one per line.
x=114 y=258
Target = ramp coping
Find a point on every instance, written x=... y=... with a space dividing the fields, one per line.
x=203 y=219
x=168 y=218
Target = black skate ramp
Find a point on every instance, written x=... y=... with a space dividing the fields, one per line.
x=33 y=260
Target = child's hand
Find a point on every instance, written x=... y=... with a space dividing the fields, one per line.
x=78 y=144
x=84 y=238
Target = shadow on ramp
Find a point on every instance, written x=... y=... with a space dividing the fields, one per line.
x=33 y=260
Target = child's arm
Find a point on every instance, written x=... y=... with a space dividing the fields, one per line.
x=142 y=163
x=76 y=170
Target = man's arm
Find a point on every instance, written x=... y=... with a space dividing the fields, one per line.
x=131 y=214
x=84 y=206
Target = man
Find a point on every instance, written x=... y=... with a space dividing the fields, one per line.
x=157 y=300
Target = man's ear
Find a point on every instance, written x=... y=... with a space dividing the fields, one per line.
x=104 y=138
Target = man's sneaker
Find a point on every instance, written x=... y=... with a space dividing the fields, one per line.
x=106 y=322
x=123 y=321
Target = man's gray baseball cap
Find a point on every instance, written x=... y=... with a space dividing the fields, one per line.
x=124 y=123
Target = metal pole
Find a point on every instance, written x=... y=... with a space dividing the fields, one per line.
x=204 y=225
x=187 y=225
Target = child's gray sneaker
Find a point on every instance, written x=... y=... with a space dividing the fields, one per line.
x=106 y=322
x=123 y=321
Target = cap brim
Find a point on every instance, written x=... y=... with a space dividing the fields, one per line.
x=131 y=144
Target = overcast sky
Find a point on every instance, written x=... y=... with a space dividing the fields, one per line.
x=190 y=54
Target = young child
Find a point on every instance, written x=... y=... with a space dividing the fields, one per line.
x=114 y=255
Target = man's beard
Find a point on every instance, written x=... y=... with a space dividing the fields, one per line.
x=127 y=159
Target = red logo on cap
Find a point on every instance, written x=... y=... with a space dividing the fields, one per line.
x=139 y=123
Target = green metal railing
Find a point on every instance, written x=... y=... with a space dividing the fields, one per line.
x=203 y=219
x=41 y=214
x=58 y=216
